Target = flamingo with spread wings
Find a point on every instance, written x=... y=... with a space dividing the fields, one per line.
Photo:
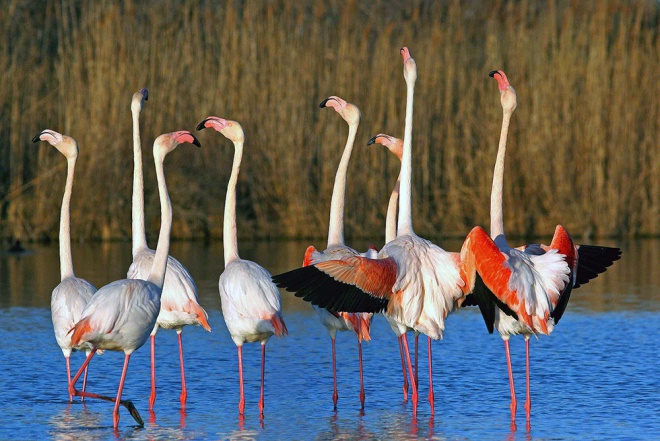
x=523 y=290
x=414 y=281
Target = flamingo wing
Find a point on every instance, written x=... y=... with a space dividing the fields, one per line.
x=594 y=260
x=352 y=284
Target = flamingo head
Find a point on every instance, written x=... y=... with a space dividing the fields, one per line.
x=507 y=92
x=349 y=112
x=139 y=100
x=395 y=145
x=230 y=129
x=409 y=66
x=65 y=144
x=167 y=142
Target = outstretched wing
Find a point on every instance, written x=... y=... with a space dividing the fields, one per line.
x=594 y=260
x=352 y=284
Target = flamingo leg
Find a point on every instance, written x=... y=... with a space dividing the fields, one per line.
x=362 y=395
x=416 y=353
x=241 y=401
x=263 y=370
x=72 y=383
x=152 y=397
x=84 y=383
x=514 y=404
x=528 y=401
x=68 y=377
x=413 y=383
x=335 y=394
x=115 y=412
x=431 y=394
x=184 y=391
x=403 y=369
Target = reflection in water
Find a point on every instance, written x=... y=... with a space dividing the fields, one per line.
x=64 y=426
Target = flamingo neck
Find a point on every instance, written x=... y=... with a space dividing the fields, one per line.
x=392 y=206
x=229 y=235
x=157 y=274
x=336 y=227
x=66 y=260
x=496 y=195
x=405 y=198
x=138 y=232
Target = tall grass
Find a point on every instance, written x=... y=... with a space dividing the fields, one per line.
x=583 y=147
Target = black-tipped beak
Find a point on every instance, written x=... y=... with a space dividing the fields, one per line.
x=323 y=103
x=36 y=137
x=372 y=140
x=201 y=125
x=492 y=73
x=196 y=141
x=145 y=93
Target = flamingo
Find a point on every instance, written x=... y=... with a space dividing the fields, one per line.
x=70 y=297
x=416 y=281
x=523 y=290
x=122 y=314
x=179 y=304
x=251 y=303
x=336 y=248
x=395 y=145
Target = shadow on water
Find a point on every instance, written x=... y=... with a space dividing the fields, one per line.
x=597 y=369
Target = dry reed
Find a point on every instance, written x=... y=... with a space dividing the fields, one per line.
x=583 y=148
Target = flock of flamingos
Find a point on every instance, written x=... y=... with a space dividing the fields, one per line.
x=412 y=281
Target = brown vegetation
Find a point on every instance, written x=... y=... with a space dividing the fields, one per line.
x=583 y=146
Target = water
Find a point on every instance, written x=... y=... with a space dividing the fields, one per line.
x=596 y=377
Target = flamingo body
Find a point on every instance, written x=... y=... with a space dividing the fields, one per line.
x=67 y=303
x=251 y=304
x=179 y=302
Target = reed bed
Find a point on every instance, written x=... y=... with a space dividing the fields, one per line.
x=583 y=146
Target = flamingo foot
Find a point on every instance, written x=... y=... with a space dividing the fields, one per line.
x=115 y=419
x=528 y=409
x=241 y=406
x=335 y=397
x=514 y=408
x=362 y=397
x=183 y=398
x=432 y=402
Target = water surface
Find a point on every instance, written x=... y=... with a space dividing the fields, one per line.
x=596 y=377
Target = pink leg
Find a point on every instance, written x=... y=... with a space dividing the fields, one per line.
x=184 y=391
x=263 y=370
x=514 y=404
x=72 y=383
x=431 y=394
x=84 y=383
x=362 y=396
x=335 y=394
x=413 y=383
x=241 y=401
x=115 y=413
x=403 y=369
x=68 y=377
x=152 y=397
x=528 y=402
x=416 y=353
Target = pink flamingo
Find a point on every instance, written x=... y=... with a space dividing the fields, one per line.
x=395 y=145
x=416 y=281
x=251 y=303
x=122 y=314
x=179 y=304
x=336 y=248
x=70 y=297
x=523 y=290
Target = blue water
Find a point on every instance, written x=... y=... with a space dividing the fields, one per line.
x=596 y=377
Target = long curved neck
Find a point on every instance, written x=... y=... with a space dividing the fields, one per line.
x=336 y=228
x=138 y=233
x=496 y=195
x=392 y=207
x=229 y=235
x=405 y=199
x=66 y=260
x=157 y=274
